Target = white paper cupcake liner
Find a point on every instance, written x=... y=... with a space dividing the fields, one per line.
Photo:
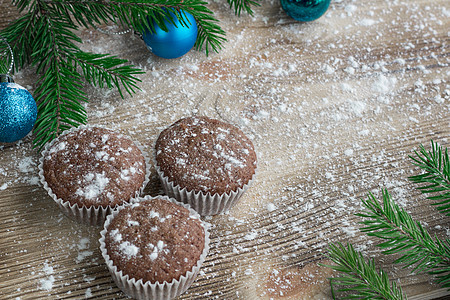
x=204 y=203
x=87 y=215
x=159 y=290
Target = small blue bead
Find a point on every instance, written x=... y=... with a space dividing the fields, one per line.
x=18 y=112
x=176 y=42
x=305 y=10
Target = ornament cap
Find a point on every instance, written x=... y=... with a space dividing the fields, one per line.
x=6 y=78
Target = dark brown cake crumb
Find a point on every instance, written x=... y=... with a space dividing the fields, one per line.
x=155 y=240
x=208 y=155
x=94 y=167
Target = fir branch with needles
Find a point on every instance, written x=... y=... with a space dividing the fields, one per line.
x=242 y=5
x=44 y=36
x=361 y=279
x=436 y=177
x=401 y=235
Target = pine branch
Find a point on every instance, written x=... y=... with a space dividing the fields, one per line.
x=56 y=56
x=436 y=165
x=59 y=93
x=240 y=5
x=402 y=235
x=44 y=37
x=361 y=279
x=141 y=15
x=102 y=69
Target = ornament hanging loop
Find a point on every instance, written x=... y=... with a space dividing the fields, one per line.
x=7 y=77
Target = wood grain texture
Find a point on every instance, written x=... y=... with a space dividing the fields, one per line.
x=334 y=108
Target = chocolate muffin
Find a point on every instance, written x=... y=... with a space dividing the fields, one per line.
x=93 y=167
x=154 y=242
x=205 y=155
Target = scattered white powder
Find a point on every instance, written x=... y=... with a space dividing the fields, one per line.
x=367 y=22
x=88 y=293
x=26 y=165
x=83 y=243
x=348 y=152
x=58 y=147
x=153 y=214
x=96 y=184
x=46 y=283
x=117 y=237
x=251 y=236
x=3 y=187
x=132 y=223
x=357 y=107
x=271 y=207
x=82 y=255
x=156 y=249
x=128 y=249
x=384 y=85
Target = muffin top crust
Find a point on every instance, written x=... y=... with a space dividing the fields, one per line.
x=94 y=166
x=155 y=240
x=207 y=155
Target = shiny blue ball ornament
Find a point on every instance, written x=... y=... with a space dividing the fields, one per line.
x=18 y=112
x=177 y=41
x=305 y=10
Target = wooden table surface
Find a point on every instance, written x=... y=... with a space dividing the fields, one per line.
x=334 y=108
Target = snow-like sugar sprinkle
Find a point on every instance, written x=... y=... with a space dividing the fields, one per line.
x=271 y=207
x=251 y=236
x=116 y=235
x=348 y=152
x=384 y=85
x=128 y=249
x=96 y=185
x=132 y=223
x=153 y=214
x=46 y=283
x=368 y=22
x=156 y=249
x=83 y=243
x=58 y=147
x=102 y=155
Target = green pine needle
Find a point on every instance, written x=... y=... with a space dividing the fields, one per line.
x=436 y=177
x=242 y=5
x=360 y=279
x=44 y=37
x=406 y=237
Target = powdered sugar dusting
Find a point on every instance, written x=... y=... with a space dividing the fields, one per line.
x=95 y=185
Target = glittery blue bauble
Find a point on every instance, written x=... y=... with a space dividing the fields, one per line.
x=18 y=112
x=177 y=41
x=305 y=10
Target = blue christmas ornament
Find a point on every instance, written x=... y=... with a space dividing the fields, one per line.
x=305 y=10
x=18 y=112
x=177 y=41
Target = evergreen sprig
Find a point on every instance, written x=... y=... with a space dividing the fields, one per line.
x=436 y=166
x=361 y=279
x=242 y=5
x=404 y=236
x=44 y=36
x=401 y=234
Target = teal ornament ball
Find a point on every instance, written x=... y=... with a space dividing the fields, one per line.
x=18 y=112
x=177 y=41
x=305 y=10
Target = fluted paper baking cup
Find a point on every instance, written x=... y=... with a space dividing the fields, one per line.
x=204 y=203
x=82 y=214
x=140 y=290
